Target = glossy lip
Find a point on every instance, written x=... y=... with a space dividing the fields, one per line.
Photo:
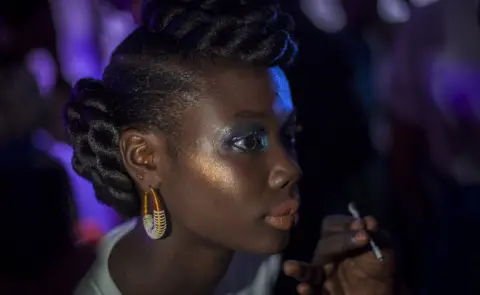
x=284 y=216
x=288 y=207
x=283 y=223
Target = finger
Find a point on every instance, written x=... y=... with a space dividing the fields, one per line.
x=328 y=269
x=336 y=245
x=333 y=287
x=304 y=289
x=371 y=224
x=357 y=224
x=329 y=286
x=301 y=271
x=336 y=223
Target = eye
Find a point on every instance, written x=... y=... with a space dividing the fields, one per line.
x=254 y=142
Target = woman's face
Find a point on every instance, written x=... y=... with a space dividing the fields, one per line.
x=233 y=180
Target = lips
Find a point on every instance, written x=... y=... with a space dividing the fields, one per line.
x=286 y=208
x=283 y=217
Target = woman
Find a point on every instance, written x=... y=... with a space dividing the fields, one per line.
x=189 y=120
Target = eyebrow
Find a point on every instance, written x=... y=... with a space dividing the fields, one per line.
x=247 y=114
x=251 y=115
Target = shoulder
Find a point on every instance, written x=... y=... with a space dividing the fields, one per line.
x=94 y=279
x=98 y=281
x=250 y=274
x=88 y=286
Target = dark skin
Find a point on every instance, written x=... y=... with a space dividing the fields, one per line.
x=343 y=264
x=236 y=154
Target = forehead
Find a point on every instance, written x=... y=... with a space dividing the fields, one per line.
x=262 y=90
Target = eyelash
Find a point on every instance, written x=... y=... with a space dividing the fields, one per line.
x=261 y=139
x=259 y=145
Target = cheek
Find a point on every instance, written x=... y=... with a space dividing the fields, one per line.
x=239 y=176
x=223 y=199
x=221 y=183
x=215 y=171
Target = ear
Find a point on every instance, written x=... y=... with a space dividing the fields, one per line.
x=142 y=154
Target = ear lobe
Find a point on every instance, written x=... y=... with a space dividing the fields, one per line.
x=139 y=152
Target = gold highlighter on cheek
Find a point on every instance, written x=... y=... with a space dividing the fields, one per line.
x=214 y=171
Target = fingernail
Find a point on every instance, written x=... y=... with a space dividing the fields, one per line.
x=357 y=224
x=360 y=237
x=304 y=288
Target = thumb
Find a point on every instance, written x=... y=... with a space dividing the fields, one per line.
x=302 y=271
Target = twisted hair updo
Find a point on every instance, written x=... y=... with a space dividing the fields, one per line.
x=156 y=72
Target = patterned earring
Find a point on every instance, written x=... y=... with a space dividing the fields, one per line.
x=155 y=224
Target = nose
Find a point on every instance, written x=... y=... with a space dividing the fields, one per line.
x=285 y=172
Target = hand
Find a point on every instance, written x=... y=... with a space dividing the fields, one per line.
x=343 y=263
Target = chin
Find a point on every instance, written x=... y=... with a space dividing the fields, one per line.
x=272 y=243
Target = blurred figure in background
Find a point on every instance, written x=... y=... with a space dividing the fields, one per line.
x=333 y=147
x=39 y=254
x=94 y=218
x=20 y=109
x=30 y=42
x=87 y=31
x=434 y=104
x=28 y=24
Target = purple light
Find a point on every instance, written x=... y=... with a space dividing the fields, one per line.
x=88 y=207
x=42 y=65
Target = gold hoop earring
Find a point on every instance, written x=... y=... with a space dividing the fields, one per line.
x=155 y=224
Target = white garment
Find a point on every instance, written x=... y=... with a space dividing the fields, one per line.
x=247 y=275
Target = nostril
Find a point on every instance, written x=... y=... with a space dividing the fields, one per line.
x=285 y=184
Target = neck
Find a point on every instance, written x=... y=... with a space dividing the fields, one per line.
x=182 y=263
